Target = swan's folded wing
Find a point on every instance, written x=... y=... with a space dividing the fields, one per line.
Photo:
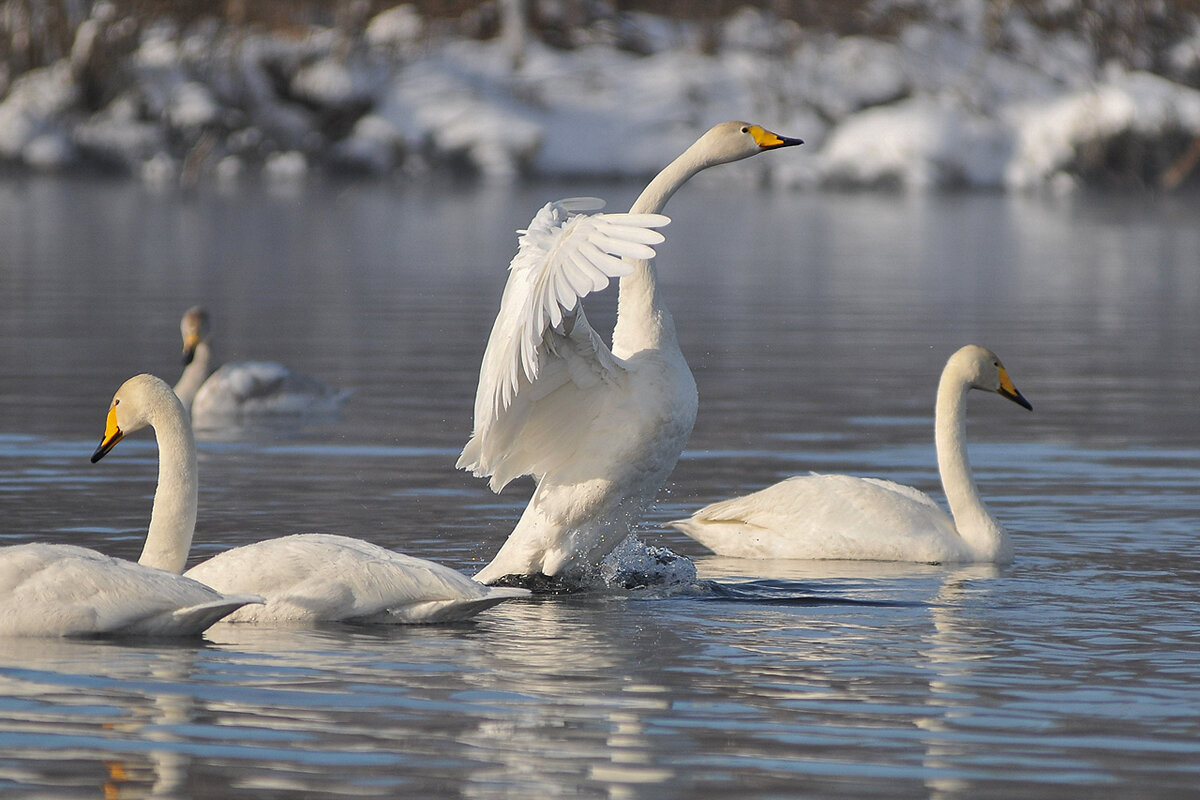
x=63 y=590
x=815 y=500
x=251 y=380
x=544 y=366
x=318 y=576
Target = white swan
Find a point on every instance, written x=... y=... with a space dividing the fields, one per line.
x=303 y=578
x=64 y=590
x=839 y=516
x=598 y=429
x=315 y=577
x=245 y=388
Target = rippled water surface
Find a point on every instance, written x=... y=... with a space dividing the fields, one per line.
x=816 y=326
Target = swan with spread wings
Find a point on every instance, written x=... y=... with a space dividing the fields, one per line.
x=598 y=428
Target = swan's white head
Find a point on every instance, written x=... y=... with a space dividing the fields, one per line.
x=135 y=405
x=733 y=141
x=980 y=368
x=194 y=329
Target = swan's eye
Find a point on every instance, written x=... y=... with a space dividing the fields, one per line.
x=745 y=129
x=117 y=402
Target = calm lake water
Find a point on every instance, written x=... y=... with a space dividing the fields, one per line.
x=816 y=326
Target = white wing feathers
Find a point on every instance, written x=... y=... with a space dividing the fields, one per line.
x=562 y=256
x=541 y=338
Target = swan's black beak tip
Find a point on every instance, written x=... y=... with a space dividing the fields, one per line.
x=108 y=444
x=1017 y=398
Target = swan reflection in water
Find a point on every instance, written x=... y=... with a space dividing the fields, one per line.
x=115 y=715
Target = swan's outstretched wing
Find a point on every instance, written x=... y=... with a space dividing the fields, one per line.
x=544 y=364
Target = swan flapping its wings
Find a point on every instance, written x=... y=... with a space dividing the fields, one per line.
x=541 y=344
x=599 y=429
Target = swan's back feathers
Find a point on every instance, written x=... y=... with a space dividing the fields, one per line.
x=64 y=590
x=315 y=576
x=541 y=344
x=264 y=387
x=828 y=516
x=251 y=380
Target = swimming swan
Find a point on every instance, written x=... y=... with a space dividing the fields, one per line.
x=599 y=429
x=839 y=516
x=303 y=578
x=246 y=388
x=65 y=590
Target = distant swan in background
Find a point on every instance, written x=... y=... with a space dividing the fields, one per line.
x=64 y=590
x=246 y=388
x=599 y=430
x=303 y=578
x=843 y=517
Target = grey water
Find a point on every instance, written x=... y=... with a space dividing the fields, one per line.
x=816 y=326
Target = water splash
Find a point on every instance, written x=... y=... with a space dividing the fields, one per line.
x=633 y=564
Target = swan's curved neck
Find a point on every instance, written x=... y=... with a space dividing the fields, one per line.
x=173 y=520
x=642 y=318
x=194 y=374
x=976 y=525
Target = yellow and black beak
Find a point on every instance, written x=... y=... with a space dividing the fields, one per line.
x=112 y=435
x=1007 y=389
x=190 y=343
x=771 y=141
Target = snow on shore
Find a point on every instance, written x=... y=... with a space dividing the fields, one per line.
x=935 y=107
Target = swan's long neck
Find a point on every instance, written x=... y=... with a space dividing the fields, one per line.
x=976 y=525
x=173 y=520
x=642 y=318
x=194 y=374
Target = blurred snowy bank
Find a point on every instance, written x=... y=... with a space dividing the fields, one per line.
x=959 y=95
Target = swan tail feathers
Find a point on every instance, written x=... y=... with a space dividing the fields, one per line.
x=733 y=538
x=186 y=621
x=455 y=610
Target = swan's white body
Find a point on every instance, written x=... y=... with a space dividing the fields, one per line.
x=246 y=388
x=63 y=590
x=600 y=430
x=302 y=578
x=839 y=516
x=320 y=577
